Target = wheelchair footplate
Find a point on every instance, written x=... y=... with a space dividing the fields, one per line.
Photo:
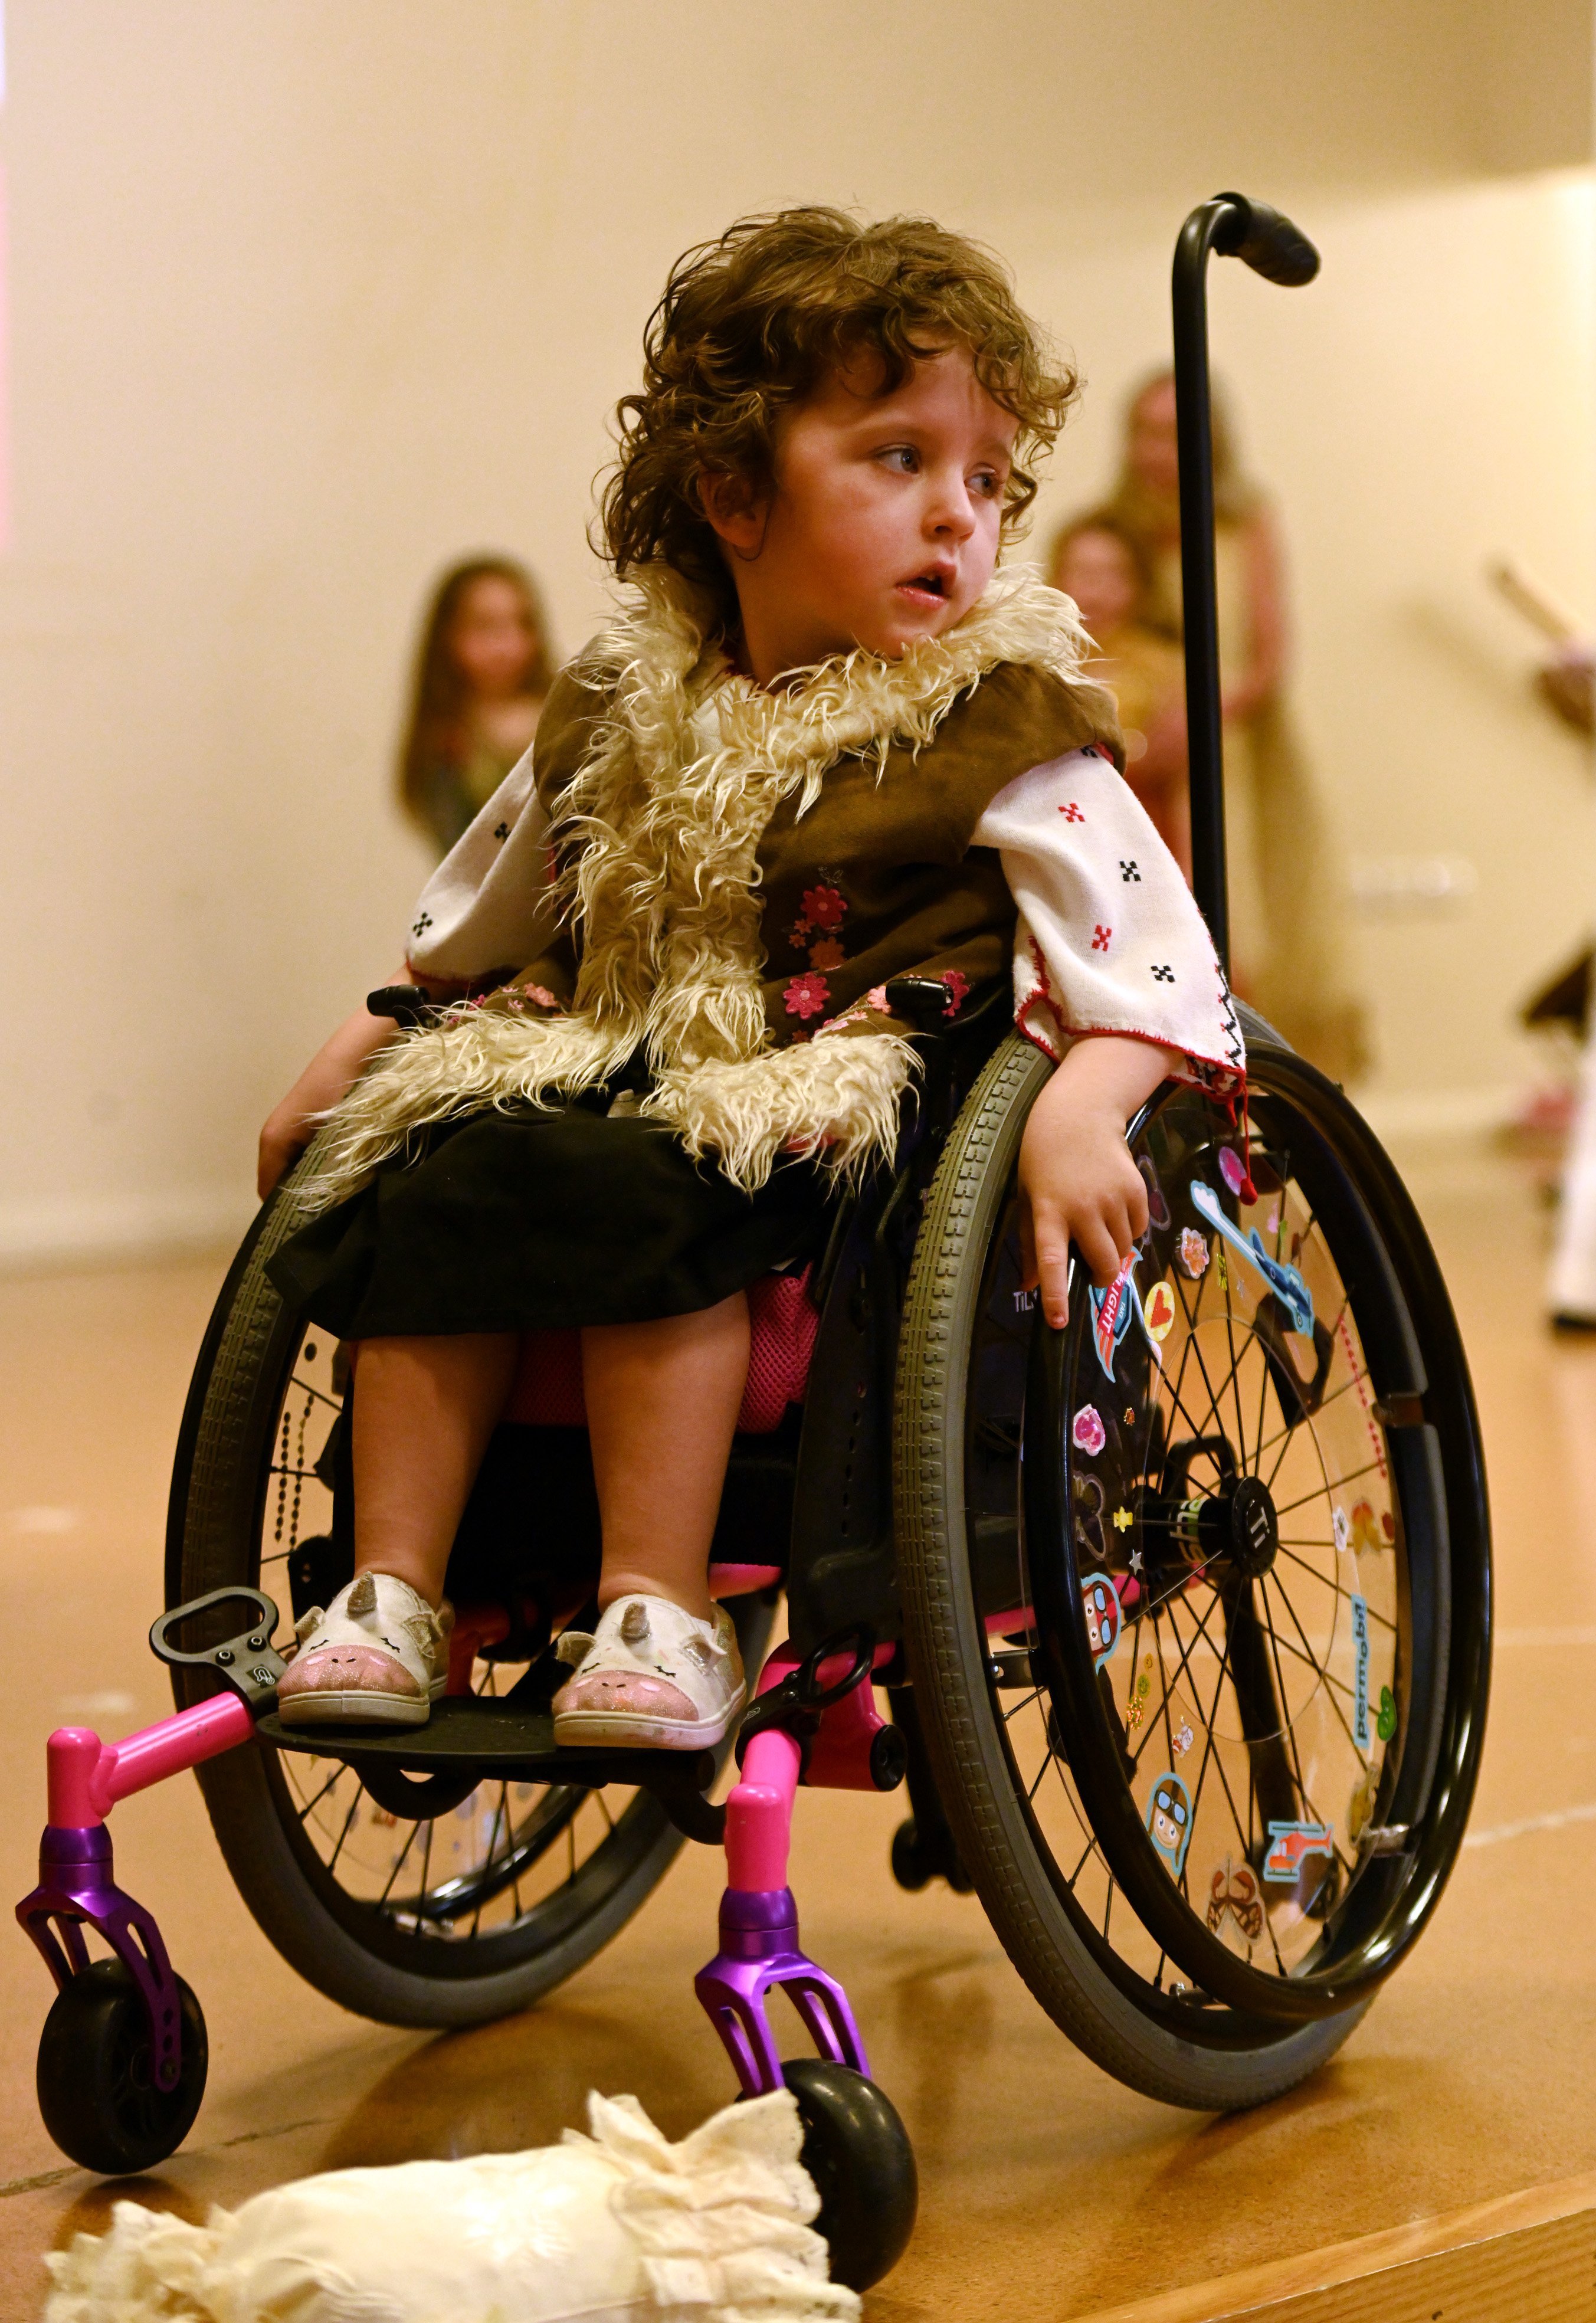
x=472 y=1739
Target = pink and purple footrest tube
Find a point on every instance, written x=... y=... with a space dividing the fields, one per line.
x=76 y=1870
x=843 y=1747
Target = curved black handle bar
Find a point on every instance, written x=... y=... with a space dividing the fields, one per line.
x=1273 y=247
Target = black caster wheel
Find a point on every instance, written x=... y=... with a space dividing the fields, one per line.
x=857 y=2151
x=97 y=2090
x=910 y=1867
x=917 y=1858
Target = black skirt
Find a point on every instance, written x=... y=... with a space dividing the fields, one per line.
x=527 y=1221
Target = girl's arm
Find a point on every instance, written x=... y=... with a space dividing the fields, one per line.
x=333 y=1070
x=1077 y=1182
x=1114 y=974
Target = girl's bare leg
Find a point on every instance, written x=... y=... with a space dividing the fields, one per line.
x=424 y=1409
x=661 y=1405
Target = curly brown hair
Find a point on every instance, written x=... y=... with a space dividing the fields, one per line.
x=748 y=325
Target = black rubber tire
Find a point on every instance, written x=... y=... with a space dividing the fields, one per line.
x=346 y=1949
x=857 y=2153
x=97 y=2094
x=947 y=1654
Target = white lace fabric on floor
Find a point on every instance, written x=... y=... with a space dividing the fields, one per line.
x=620 y=2227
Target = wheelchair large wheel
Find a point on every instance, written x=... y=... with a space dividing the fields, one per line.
x=448 y=1919
x=1197 y=1589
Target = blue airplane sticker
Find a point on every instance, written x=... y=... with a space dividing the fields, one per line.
x=1283 y=1279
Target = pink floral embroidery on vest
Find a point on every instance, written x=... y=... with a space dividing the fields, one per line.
x=807 y=996
x=824 y=907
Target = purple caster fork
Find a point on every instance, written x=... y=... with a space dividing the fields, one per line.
x=123 y=2058
x=855 y=2146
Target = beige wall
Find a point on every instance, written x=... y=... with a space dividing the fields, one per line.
x=307 y=297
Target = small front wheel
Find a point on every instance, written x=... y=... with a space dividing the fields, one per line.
x=857 y=2153
x=97 y=2091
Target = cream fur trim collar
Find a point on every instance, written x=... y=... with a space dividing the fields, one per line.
x=668 y=808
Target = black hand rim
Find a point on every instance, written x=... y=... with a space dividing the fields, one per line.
x=1393 y=1897
x=1163 y=2004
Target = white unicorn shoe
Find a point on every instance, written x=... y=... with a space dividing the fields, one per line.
x=377 y=1656
x=650 y=1678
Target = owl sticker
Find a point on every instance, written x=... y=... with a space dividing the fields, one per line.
x=1100 y=1603
x=1169 y=1821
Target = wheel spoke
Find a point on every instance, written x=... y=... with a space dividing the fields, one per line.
x=1339 y=1485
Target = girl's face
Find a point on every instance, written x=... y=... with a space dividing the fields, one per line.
x=1151 y=444
x=884 y=526
x=492 y=640
x=1098 y=571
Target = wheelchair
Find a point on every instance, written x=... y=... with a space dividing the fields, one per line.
x=1180 y=1614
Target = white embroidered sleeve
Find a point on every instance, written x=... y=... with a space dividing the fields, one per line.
x=1109 y=940
x=486 y=906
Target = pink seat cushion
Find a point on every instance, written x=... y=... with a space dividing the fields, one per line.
x=547 y=1391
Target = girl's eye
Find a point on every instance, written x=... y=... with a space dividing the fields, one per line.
x=987 y=483
x=903 y=457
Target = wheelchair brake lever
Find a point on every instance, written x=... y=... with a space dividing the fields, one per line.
x=795 y=1702
x=249 y=1662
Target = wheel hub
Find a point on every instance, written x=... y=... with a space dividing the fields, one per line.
x=1235 y=1526
x=1252 y=1531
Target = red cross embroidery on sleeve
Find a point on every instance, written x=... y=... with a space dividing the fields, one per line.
x=1072 y=814
x=1100 y=937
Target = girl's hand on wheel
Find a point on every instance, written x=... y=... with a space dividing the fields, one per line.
x=1077 y=1182
x=289 y=1127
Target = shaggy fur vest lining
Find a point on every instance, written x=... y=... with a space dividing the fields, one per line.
x=665 y=815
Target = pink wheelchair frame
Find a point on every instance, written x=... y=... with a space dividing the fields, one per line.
x=821 y=1727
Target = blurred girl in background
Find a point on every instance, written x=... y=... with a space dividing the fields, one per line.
x=482 y=670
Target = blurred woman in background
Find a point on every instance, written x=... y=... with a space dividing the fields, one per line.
x=483 y=669
x=1288 y=894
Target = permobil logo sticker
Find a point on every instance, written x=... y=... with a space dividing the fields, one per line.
x=1360 y=1671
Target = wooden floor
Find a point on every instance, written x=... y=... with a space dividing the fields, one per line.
x=1049 y=2191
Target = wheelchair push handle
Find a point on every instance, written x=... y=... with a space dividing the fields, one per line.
x=1266 y=240
x=406 y=1004
x=1271 y=245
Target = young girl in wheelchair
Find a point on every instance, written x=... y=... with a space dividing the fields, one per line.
x=828 y=742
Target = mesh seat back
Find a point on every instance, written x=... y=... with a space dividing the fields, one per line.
x=547 y=1390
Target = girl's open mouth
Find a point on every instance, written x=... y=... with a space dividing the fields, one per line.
x=932 y=587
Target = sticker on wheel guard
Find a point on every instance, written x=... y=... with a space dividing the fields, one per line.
x=1100 y=1604
x=1111 y=1314
x=1169 y=1821
x=1360 y=1671
x=1291 y=1843
x=1285 y=1282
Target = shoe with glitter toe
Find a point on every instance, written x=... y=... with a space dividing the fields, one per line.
x=378 y=1655
x=652 y=1677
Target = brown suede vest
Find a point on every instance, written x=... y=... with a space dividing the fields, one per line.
x=880 y=878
